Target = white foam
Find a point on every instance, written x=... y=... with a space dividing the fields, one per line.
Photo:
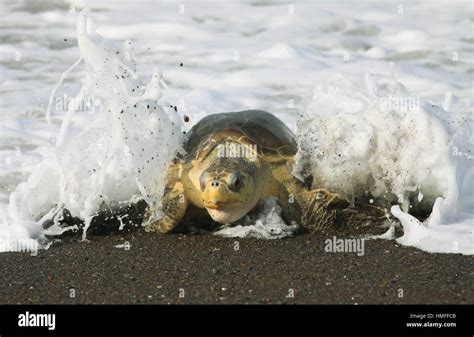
x=267 y=224
x=236 y=62
x=112 y=155
x=377 y=139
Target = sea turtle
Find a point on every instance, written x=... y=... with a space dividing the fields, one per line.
x=235 y=160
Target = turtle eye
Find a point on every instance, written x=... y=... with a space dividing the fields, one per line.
x=235 y=181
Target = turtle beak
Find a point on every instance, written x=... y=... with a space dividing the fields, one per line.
x=215 y=193
x=213 y=205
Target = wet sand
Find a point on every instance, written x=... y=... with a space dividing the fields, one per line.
x=208 y=269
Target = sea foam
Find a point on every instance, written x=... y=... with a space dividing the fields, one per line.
x=375 y=142
x=368 y=138
x=110 y=156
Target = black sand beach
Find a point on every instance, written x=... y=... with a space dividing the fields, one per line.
x=207 y=269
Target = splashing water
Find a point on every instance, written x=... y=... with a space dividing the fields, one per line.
x=111 y=156
x=268 y=224
x=377 y=141
x=367 y=138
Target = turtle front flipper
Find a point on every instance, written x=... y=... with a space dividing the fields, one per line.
x=322 y=209
x=174 y=208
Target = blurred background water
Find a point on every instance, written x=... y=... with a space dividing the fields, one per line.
x=225 y=56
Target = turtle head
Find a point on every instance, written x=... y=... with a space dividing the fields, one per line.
x=230 y=188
